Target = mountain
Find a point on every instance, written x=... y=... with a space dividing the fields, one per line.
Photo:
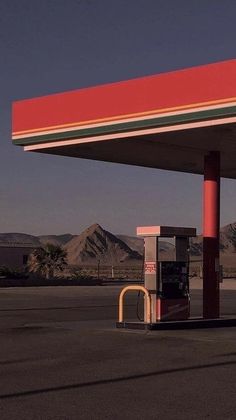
x=228 y=238
x=96 y=243
x=137 y=244
x=56 y=239
x=134 y=243
x=227 y=241
x=19 y=239
x=196 y=246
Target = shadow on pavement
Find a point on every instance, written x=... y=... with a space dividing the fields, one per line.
x=113 y=380
x=61 y=308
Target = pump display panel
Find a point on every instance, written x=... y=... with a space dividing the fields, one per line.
x=173 y=282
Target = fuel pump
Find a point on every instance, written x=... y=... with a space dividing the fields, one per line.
x=167 y=282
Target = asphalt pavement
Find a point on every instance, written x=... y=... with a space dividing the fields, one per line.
x=61 y=358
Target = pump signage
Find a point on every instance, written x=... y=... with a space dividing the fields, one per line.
x=150 y=267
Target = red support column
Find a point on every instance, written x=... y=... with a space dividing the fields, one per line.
x=211 y=236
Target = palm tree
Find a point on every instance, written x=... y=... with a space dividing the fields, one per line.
x=47 y=260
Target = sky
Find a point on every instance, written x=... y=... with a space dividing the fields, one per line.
x=51 y=46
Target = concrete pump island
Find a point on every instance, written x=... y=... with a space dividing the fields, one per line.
x=180 y=121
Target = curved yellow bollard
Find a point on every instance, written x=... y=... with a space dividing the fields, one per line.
x=147 y=301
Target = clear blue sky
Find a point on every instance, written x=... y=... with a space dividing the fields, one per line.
x=50 y=46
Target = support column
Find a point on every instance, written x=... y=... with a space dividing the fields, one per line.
x=151 y=271
x=211 y=236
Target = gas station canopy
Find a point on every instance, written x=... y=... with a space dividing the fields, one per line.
x=166 y=121
x=183 y=121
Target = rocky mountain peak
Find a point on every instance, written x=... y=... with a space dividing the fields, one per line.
x=96 y=243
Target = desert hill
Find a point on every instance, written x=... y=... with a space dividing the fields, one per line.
x=227 y=241
x=56 y=239
x=19 y=239
x=228 y=238
x=137 y=244
x=96 y=243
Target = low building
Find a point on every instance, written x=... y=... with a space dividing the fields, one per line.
x=15 y=255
